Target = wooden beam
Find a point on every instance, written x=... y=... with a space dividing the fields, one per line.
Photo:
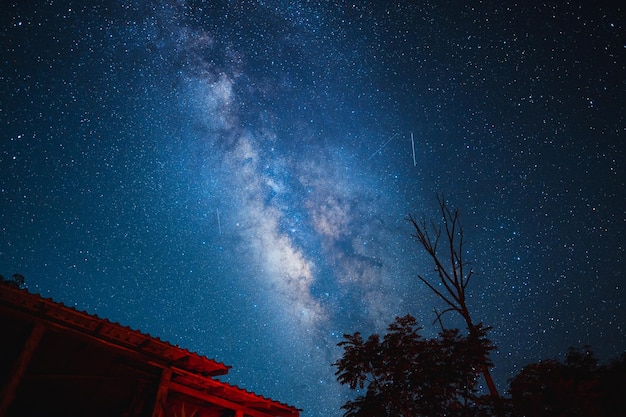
x=19 y=368
x=161 y=397
x=238 y=408
x=138 y=402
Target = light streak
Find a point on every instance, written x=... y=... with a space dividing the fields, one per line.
x=383 y=146
x=413 y=146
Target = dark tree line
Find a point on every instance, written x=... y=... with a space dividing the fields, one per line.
x=402 y=374
x=577 y=386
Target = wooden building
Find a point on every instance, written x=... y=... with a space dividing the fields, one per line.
x=58 y=361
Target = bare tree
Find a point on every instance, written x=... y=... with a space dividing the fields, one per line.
x=444 y=242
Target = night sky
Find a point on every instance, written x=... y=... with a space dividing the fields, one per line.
x=234 y=176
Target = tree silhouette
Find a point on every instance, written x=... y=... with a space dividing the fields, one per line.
x=16 y=281
x=574 y=387
x=444 y=243
x=406 y=375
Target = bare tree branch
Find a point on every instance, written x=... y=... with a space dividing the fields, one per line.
x=453 y=278
x=439 y=294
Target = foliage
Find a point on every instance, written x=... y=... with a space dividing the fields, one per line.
x=407 y=375
x=403 y=374
x=575 y=387
x=16 y=281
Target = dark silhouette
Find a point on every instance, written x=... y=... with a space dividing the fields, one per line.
x=444 y=242
x=406 y=375
x=16 y=281
x=578 y=386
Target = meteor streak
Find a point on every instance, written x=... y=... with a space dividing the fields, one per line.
x=383 y=146
x=413 y=146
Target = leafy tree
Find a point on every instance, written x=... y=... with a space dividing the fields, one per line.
x=405 y=375
x=575 y=387
x=444 y=243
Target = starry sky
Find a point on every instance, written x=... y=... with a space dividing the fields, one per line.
x=235 y=176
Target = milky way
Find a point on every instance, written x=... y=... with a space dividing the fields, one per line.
x=235 y=177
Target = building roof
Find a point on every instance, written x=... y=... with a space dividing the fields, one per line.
x=81 y=341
